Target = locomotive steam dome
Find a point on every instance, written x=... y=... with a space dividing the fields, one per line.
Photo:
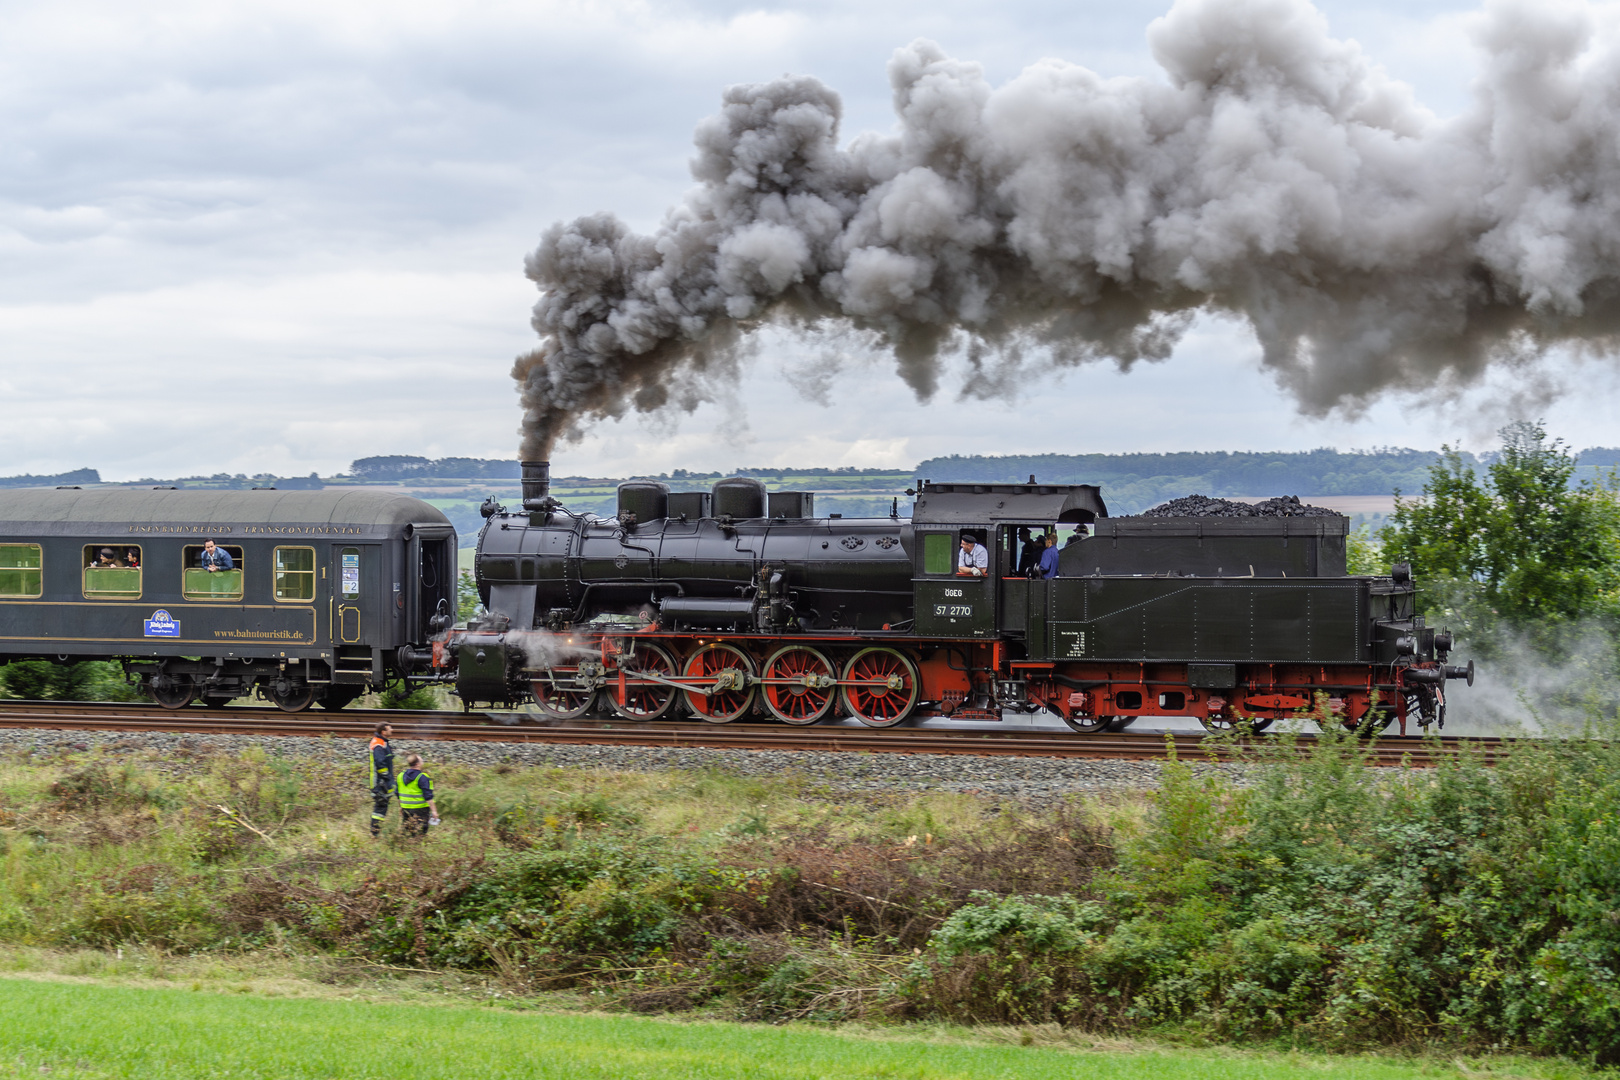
x=739 y=497
x=645 y=500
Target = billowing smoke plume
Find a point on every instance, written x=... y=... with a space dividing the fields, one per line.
x=1276 y=176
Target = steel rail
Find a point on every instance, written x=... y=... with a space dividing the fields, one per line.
x=1121 y=746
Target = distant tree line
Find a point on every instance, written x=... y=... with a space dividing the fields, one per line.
x=409 y=467
x=77 y=476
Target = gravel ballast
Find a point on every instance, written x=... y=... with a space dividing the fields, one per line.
x=1030 y=778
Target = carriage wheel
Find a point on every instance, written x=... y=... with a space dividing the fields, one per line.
x=295 y=698
x=558 y=695
x=812 y=687
x=1222 y=725
x=647 y=700
x=172 y=691
x=1088 y=725
x=886 y=687
x=730 y=671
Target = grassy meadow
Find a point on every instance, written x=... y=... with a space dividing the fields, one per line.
x=74 y=1030
x=1320 y=906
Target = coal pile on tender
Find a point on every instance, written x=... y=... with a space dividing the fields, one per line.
x=1205 y=506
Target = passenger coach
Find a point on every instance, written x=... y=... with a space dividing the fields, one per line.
x=323 y=592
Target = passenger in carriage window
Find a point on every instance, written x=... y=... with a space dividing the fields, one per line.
x=215 y=558
x=132 y=558
x=106 y=559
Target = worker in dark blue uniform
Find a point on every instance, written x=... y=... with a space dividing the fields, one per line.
x=381 y=757
x=1049 y=557
x=417 y=807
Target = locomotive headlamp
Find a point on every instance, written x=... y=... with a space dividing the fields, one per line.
x=1401 y=573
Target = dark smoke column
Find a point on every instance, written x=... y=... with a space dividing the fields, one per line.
x=628 y=320
x=1275 y=175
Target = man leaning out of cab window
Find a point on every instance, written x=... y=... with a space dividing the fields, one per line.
x=215 y=558
x=973 y=560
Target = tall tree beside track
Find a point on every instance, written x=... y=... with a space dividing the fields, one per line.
x=1515 y=553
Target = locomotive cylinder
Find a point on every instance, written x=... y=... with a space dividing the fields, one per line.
x=481 y=665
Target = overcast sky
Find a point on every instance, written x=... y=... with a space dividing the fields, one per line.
x=277 y=237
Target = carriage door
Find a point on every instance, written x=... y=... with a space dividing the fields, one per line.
x=355 y=567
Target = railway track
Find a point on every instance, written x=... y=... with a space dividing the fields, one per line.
x=508 y=727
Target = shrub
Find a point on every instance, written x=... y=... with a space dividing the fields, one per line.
x=88 y=680
x=1011 y=959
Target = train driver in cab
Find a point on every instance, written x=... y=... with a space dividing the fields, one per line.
x=215 y=558
x=973 y=560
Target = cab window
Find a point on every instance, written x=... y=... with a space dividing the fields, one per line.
x=295 y=573
x=20 y=571
x=939 y=553
x=200 y=583
x=111 y=572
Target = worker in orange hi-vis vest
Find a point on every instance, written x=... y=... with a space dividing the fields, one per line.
x=382 y=776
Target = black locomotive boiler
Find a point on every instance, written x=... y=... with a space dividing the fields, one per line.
x=324 y=592
x=738 y=601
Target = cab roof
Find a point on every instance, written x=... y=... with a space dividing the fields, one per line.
x=968 y=504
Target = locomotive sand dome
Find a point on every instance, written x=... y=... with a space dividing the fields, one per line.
x=328 y=593
x=736 y=601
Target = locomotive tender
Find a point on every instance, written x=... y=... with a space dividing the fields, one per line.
x=325 y=589
x=737 y=601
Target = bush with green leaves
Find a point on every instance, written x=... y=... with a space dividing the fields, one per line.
x=85 y=680
x=1332 y=902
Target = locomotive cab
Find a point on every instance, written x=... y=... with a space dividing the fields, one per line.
x=953 y=604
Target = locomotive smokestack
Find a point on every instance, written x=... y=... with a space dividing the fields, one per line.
x=536 y=485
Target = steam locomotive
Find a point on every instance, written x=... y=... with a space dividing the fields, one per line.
x=737 y=602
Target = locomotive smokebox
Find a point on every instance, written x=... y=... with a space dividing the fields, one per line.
x=537 y=485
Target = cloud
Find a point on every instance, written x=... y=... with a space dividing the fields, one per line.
x=330 y=205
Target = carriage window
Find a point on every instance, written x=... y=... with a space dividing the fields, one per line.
x=939 y=553
x=201 y=583
x=112 y=573
x=20 y=574
x=295 y=573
